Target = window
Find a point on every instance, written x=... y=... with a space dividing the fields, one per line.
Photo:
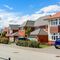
x=54 y=36
x=59 y=36
x=59 y=33
x=53 y=33
x=59 y=21
x=54 y=22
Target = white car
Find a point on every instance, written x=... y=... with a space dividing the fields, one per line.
x=32 y=38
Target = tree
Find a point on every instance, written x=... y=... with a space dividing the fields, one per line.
x=28 y=31
x=4 y=34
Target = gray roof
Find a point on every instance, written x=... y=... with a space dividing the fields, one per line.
x=24 y=24
x=15 y=34
x=40 y=21
x=14 y=27
x=28 y=23
x=12 y=34
x=39 y=32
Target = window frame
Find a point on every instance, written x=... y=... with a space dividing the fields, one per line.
x=54 y=36
x=54 y=22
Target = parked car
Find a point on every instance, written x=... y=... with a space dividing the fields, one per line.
x=23 y=38
x=32 y=38
x=57 y=43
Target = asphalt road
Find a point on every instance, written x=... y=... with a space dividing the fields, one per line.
x=50 y=50
x=22 y=53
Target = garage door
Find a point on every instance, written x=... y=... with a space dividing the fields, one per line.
x=43 y=38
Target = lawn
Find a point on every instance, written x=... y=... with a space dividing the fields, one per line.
x=44 y=46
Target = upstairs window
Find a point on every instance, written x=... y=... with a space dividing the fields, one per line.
x=59 y=21
x=54 y=22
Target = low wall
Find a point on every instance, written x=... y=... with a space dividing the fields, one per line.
x=51 y=42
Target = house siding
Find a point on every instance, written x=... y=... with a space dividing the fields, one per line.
x=54 y=29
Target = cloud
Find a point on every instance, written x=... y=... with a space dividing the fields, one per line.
x=7 y=6
x=14 y=18
x=9 y=18
x=49 y=9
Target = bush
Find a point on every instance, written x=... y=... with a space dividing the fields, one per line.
x=4 y=40
x=22 y=43
x=33 y=44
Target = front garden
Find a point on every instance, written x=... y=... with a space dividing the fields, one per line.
x=26 y=43
x=33 y=44
x=3 y=38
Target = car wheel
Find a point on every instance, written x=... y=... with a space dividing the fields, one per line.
x=56 y=47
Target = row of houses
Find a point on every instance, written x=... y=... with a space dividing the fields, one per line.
x=46 y=29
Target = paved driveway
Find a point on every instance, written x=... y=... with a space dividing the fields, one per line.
x=19 y=53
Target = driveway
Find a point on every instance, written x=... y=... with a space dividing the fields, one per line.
x=22 y=53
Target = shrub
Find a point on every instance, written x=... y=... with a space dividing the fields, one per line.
x=4 y=40
x=33 y=44
x=4 y=34
x=22 y=43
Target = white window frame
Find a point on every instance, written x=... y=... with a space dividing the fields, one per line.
x=54 y=22
x=54 y=36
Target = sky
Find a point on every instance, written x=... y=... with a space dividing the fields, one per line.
x=19 y=11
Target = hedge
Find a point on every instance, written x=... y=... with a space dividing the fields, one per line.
x=4 y=40
x=33 y=44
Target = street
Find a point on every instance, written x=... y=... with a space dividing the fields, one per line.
x=22 y=53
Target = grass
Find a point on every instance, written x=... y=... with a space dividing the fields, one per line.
x=44 y=46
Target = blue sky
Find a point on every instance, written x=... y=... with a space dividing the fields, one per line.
x=25 y=6
x=18 y=11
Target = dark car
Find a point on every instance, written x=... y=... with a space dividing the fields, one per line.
x=57 y=43
x=23 y=38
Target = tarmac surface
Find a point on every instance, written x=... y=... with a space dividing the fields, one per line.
x=25 y=53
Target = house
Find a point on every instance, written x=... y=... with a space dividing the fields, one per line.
x=5 y=29
x=21 y=33
x=13 y=32
x=41 y=30
x=41 y=23
x=53 y=27
x=28 y=25
x=14 y=28
x=41 y=35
